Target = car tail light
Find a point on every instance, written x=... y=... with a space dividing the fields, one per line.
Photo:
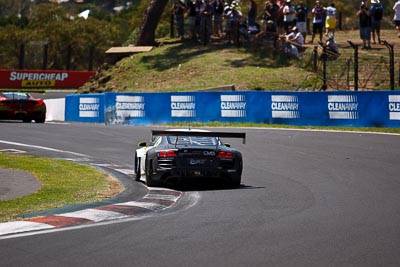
x=38 y=102
x=225 y=155
x=166 y=153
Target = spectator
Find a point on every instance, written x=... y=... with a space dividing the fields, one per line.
x=225 y=17
x=376 y=11
x=271 y=11
x=318 y=13
x=199 y=6
x=218 y=12
x=301 y=19
x=178 y=8
x=280 y=17
x=396 y=9
x=295 y=37
x=365 y=25
x=236 y=3
x=191 y=18
x=270 y=34
x=233 y=23
x=288 y=16
x=206 y=13
x=331 y=46
x=330 y=22
x=252 y=13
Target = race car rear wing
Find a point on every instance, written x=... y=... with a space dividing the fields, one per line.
x=201 y=134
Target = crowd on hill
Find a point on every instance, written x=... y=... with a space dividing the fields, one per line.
x=274 y=20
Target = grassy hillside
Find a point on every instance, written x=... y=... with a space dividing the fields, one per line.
x=185 y=66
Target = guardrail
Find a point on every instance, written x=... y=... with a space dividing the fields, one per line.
x=358 y=109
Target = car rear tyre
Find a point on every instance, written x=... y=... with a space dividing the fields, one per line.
x=40 y=119
x=236 y=181
x=137 y=168
x=149 y=171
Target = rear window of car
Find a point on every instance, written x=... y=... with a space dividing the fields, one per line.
x=193 y=140
x=16 y=96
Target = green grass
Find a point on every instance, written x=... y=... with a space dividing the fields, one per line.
x=62 y=182
x=187 y=66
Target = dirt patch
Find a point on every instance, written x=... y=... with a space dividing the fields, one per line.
x=114 y=188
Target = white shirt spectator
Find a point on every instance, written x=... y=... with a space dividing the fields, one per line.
x=396 y=9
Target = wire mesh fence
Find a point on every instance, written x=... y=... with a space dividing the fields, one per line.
x=356 y=69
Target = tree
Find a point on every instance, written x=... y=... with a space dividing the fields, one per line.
x=150 y=22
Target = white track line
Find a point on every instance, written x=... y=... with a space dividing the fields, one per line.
x=43 y=148
x=22 y=226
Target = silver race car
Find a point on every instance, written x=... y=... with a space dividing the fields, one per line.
x=180 y=154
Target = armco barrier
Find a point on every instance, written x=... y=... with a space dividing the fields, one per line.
x=344 y=108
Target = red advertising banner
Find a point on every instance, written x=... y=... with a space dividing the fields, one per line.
x=43 y=78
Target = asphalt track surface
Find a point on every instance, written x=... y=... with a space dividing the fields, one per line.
x=307 y=199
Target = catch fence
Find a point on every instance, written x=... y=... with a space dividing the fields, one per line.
x=356 y=68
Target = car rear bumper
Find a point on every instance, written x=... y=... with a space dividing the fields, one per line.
x=19 y=115
x=163 y=175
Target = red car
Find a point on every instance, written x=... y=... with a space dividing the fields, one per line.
x=21 y=106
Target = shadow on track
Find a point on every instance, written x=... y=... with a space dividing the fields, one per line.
x=203 y=184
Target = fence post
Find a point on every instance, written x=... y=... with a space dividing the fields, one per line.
x=355 y=47
x=205 y=31
x=324 y=58
x=315 y=58
x=391 y=63
x=236 y=31
x=69 y=52
x=348 y=73
x=21 y=62
x=172 y=22
x=45 y=56
x=91 y=55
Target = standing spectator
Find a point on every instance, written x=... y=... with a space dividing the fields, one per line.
x=301 y=19
x=365 y=25
x=199 y=7
x=225 y=17
x=252 y=13
x=270 y=11
x=218 y=11
x=233 y=22
x=179 y=11
x=206 y=13
x=280 y=17
x=288 y=16
x=376 y=11
x=318 y=25
x=191 y=18
x=330 y=22
x=396 y=9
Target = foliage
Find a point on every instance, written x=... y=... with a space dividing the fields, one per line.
x=36 y=23
x=53 y=25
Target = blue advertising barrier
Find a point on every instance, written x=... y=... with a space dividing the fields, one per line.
x=85 y=108
x=358 y=109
